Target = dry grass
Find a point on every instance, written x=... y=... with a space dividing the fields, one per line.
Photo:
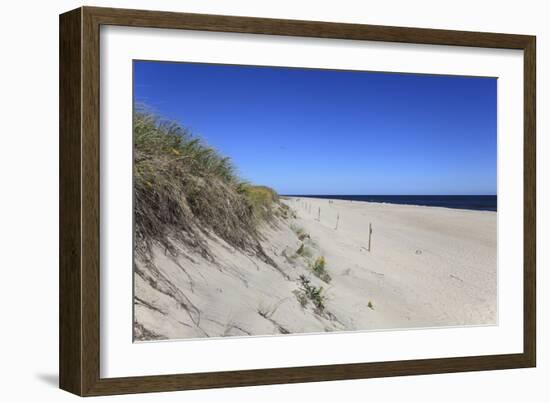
x=186 y=191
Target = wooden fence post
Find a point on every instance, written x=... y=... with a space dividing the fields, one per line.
x=370 y=233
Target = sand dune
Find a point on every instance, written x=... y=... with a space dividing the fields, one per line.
x=427 y=266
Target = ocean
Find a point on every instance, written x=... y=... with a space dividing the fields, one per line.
x=474 y=202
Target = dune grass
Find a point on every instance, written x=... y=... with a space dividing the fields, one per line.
x=319 y=269
x=308 y=292
x=186 y=192
x=261 y=198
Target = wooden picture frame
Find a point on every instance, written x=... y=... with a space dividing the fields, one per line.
x=79 y=348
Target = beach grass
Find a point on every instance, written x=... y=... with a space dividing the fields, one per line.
x=186 y=192
x=308 y=292
x=319 y=269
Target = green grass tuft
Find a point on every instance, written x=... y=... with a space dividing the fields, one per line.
x=309 y=292
x=319 y=269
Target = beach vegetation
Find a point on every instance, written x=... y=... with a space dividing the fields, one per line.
x=261 y=198
x=319 y=269
x=308 y=292
x=187 y=192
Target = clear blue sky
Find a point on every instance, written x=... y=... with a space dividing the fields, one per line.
x=306 y=131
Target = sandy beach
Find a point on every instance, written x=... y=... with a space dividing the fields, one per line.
x=427 y=267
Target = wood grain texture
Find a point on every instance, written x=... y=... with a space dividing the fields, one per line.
x=530 y=203
x=316 y=29
x=70 y=271
x=90 y=201
x=80 y=200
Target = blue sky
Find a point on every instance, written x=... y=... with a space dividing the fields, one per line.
x=304 y=131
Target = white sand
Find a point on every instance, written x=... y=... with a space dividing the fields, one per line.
x=427 y=267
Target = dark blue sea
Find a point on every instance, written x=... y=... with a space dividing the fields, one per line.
x=487 y=203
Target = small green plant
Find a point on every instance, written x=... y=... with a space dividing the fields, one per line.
x=319 y=269
x=370 y=305
x=309 y=292
x=319 y=265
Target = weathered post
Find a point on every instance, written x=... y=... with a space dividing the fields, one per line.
x=370 y=233
x=337 y=220
x=319 y=215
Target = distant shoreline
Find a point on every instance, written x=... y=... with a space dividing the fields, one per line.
x=460 y=202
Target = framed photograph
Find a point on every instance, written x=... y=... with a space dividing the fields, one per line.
x=248 y=201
